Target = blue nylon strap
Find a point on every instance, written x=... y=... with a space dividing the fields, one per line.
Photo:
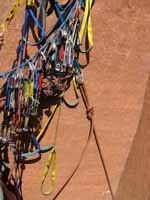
x=17 y=189
x=7 y=101
x=37 y=151
x=29 y=154
x=36 y=76
x=24 y=32
x=37 y=23
x=50 y=41
x=38 y=148
x=76 y=63
x=57 y=10
x=37 y=144
x=63 y=9
x=81 y=2
x=63 y=6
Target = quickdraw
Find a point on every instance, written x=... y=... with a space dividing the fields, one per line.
x=41 y=82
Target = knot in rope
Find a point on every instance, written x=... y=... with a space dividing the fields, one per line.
x=90 y=113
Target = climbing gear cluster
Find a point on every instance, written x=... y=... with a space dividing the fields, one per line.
x=41 y=81
x=44 y=76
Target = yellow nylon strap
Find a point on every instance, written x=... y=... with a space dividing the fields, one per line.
x=51 y=162
x=87 y=20
x=11 y=14
x=28 y=89
x=30 y=2
x=75 y=87
x=54 y=108
x=31 y=88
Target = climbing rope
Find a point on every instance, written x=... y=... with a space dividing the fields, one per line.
x=40 y=81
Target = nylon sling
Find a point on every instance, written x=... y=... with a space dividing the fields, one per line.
x=51 y=162
x=87 y=20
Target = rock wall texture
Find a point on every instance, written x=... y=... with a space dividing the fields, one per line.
x=116 y=79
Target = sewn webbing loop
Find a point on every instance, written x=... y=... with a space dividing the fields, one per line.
x=87 y=20
x=11 y=14
x=51 y=162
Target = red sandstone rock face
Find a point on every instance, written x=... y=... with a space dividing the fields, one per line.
x=116 y=80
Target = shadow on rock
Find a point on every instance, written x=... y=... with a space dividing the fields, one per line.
x=135 y=180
